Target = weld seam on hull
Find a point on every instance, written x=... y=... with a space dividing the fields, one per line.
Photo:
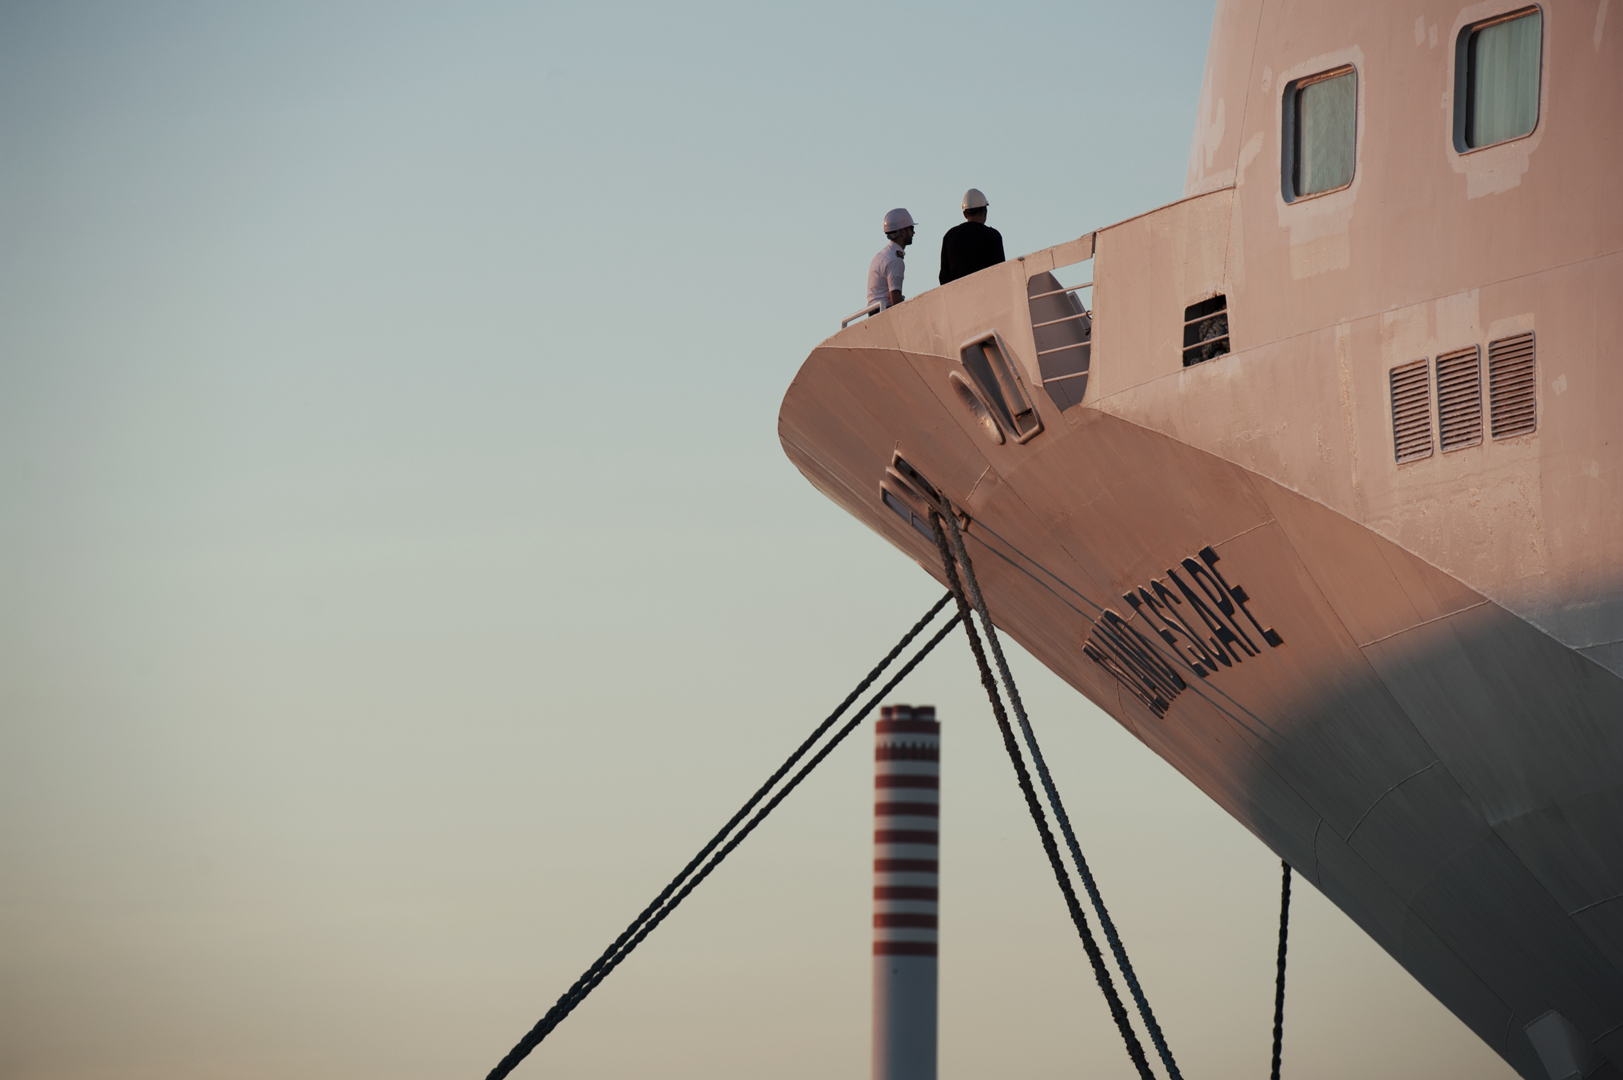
x=1387 y=792
x=1097 y=404
x=982 y=526
x=1597 y=903
x=1427 y=622
x=1262 y=731
x=1245 y=532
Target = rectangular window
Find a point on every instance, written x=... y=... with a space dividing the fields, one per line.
x=1496 y=80
x=1205 y=330
x=1321 y=132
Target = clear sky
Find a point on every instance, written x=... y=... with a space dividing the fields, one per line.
x=400 y=577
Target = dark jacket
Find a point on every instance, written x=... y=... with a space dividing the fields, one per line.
x=969 y=247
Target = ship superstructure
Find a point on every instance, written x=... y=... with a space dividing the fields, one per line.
x=1315 y=490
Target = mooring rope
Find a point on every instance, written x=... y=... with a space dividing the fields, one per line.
x=1279 y=986
x=1100 y=972
x=1117 y=949
x=665 y=902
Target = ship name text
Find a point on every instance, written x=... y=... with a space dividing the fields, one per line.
x=1200 y=624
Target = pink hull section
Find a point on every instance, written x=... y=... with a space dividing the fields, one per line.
x=1316 y=492
x=1443 y=771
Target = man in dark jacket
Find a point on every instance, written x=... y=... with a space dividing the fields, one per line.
x=972 y=246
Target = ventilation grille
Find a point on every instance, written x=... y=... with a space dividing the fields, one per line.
x=1511 y=383
x=1459 y=399
x=1205 y=330
x=1411 y=412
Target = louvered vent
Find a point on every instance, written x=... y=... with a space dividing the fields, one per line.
x=1459 y=399
x=1512 y=400
x=1411 y=412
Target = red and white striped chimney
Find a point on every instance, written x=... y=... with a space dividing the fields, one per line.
x=907 y=803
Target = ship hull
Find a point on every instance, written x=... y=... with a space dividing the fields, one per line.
x=1316 y=492
x=1443 y=770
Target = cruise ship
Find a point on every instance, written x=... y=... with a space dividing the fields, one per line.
x=1310 y=479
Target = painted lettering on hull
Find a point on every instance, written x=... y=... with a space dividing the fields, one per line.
x=1203 y=624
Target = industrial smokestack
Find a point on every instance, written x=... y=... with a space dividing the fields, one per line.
x=907 y=801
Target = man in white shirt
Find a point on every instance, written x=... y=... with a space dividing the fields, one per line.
x=886 y=270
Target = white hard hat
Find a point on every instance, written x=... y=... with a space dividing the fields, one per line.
x=973 y=200
x=897 y=220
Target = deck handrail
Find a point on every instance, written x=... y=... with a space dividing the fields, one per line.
x=872 y=309
x=1056 y=322
x=1056 y=292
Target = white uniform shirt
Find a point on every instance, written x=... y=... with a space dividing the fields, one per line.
x=885 y=274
